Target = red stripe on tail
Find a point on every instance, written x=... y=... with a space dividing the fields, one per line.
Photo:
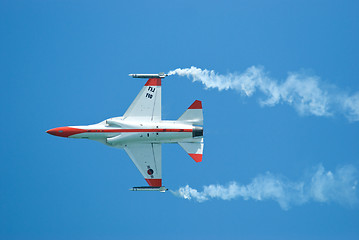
x=196 y=157
x=196 y=105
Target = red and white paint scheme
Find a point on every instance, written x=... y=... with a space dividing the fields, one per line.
x=141 y=132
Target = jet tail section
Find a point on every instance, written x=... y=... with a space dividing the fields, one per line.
x=194 y=114
x=194 y=149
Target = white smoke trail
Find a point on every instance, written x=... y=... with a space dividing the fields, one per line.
x=322 y=186
x=304 y=93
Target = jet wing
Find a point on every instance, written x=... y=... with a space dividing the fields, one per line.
x=148 y=159
x=147 y=104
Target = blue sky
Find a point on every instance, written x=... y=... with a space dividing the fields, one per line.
x=66 y=63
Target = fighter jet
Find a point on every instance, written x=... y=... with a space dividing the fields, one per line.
x=141 y=132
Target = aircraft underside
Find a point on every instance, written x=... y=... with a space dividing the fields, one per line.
x=141 y=132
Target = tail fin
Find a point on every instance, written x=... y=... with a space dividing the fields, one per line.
x=194 y=149
x=194 y=114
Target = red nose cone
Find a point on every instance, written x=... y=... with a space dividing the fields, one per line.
x=65 y=131
x=52 y=131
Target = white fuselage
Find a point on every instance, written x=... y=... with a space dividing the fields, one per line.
x=117 y=133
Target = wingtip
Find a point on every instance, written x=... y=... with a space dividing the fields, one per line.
x=153 y=82
x=154 y=182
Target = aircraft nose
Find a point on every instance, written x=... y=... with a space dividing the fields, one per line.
x=57 y=131
x=51 y=131
x=65 y=131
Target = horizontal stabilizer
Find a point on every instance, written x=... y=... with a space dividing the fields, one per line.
x=194 y=149
x=160 y=189
x=194 y=114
